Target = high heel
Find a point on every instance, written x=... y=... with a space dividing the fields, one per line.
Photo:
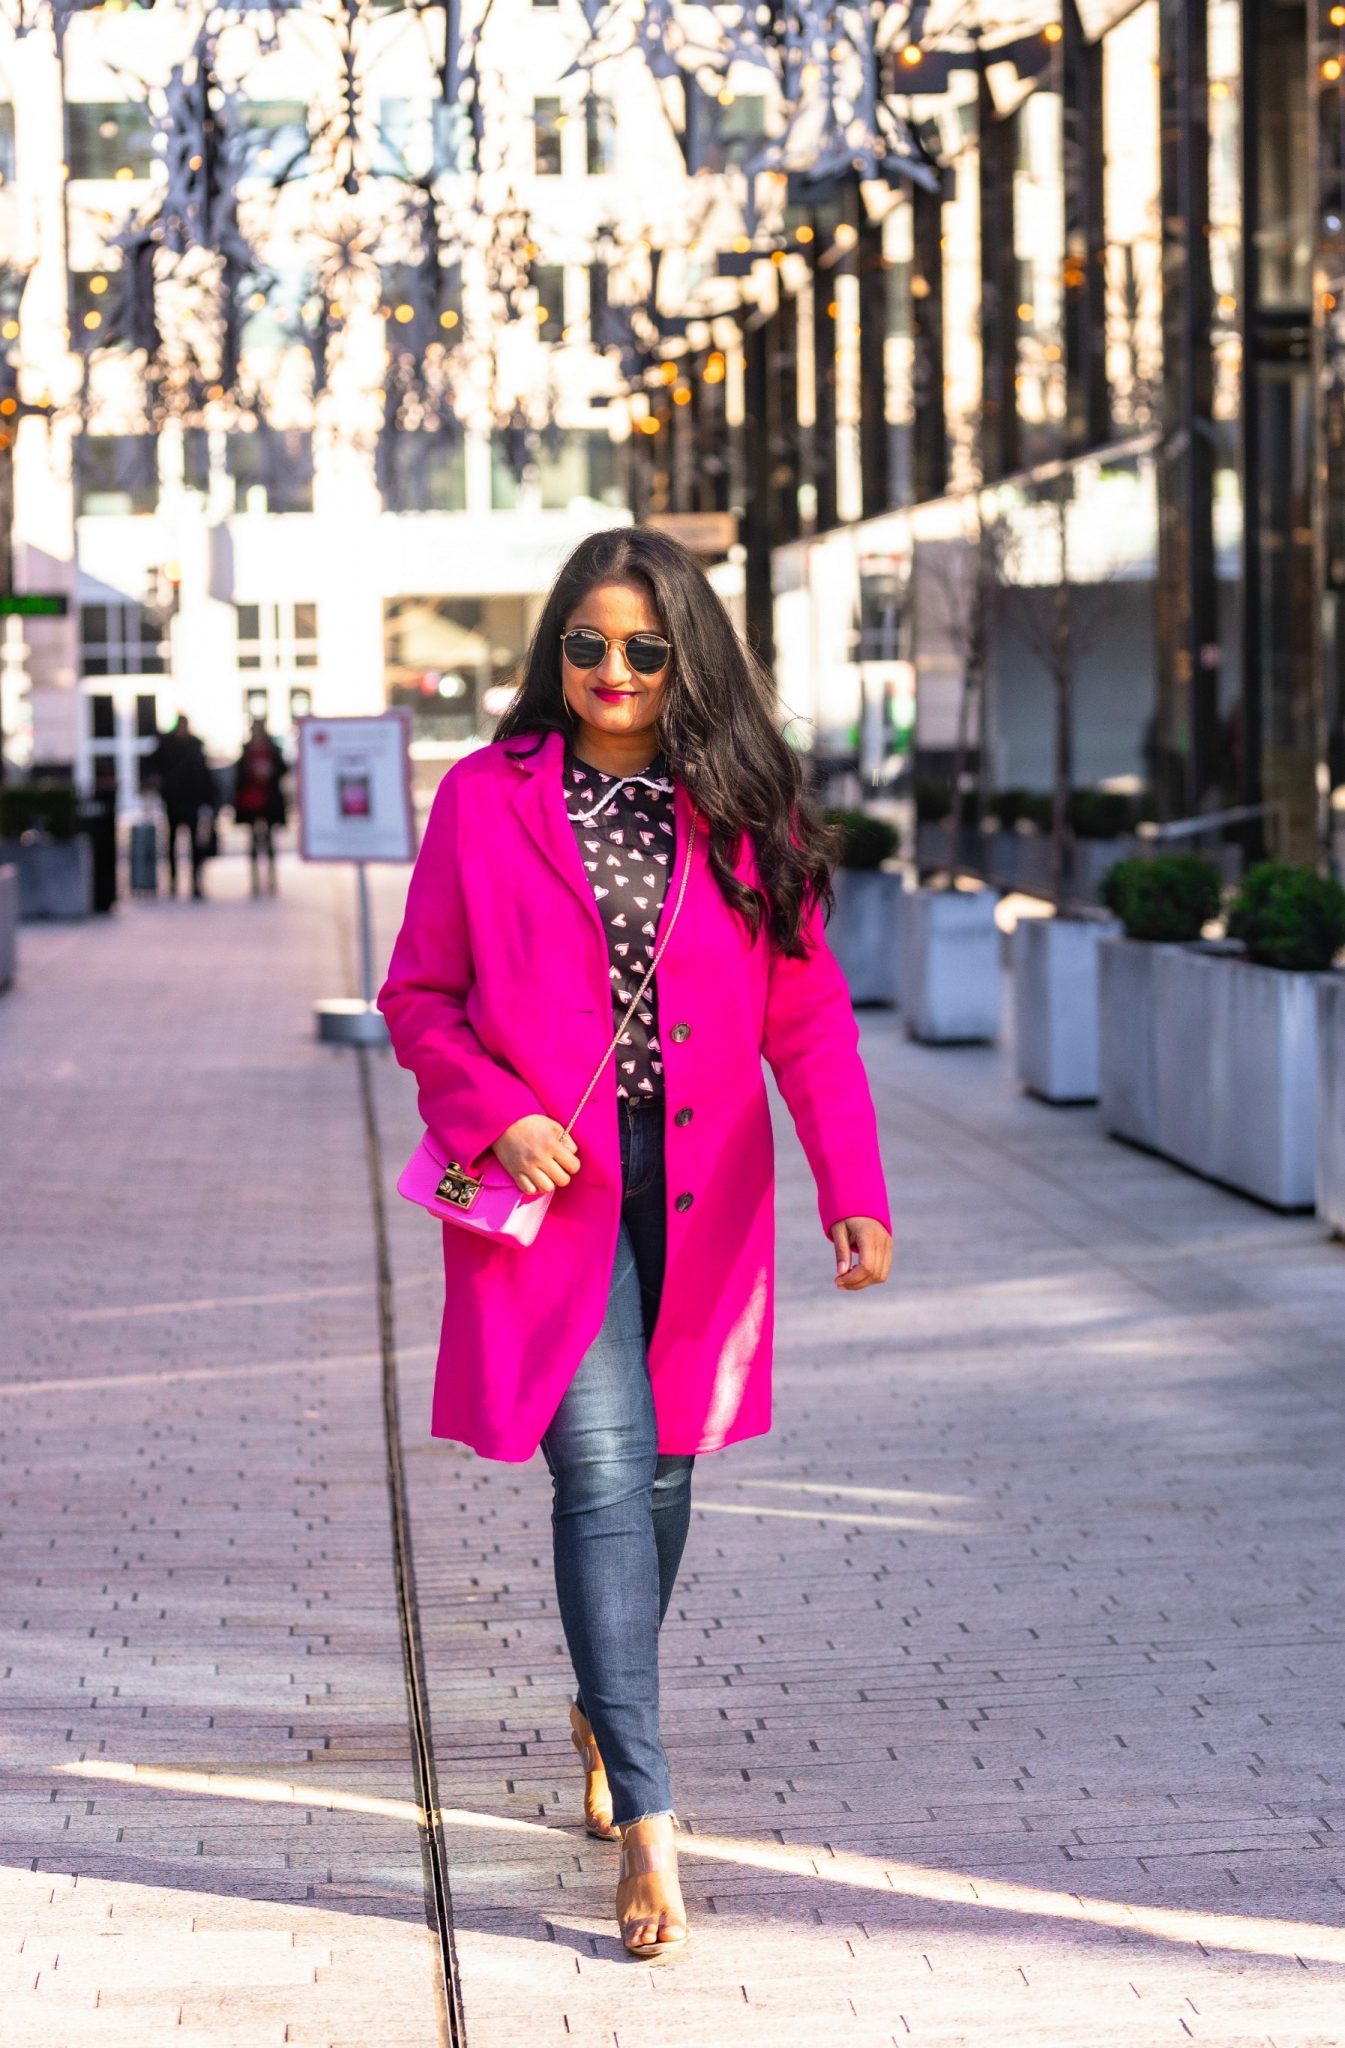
x=643 y=1859
x=597 y=1818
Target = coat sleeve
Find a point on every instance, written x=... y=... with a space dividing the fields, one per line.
x=811 y=1044
x=466 y=1097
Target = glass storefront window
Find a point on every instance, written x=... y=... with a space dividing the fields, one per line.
x=548 y=280
x=1039 y=253
x=961 y=237
x=442 y=655
x=503 y=476
x=599 y=137
x=584 y=463
x=423 y=471
x=116 y=473
x=1225 y=175
x=1132 y=217
x=898 y=351
x=546 y=120
x=272 y=469
x=1284 y=158
x=269 y=138
x=109 y=139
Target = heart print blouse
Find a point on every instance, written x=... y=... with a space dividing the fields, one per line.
x=624 y=828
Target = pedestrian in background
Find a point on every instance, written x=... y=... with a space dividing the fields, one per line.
x=259 y=800
x=179 y=771
x=635 y=1333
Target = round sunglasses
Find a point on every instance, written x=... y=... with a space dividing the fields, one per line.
x=646 y=653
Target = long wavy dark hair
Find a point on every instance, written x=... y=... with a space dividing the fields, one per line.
x=716 y=726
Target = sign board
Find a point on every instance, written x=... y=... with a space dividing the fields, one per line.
x=1098 y=16
x=33 y=604
x=355 y=788
x=707 y=534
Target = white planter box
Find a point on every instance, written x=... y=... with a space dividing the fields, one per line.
x=1231 y=1049
x=948 y=971
x=1127 y=1055
x=1188 y=1004
x=1055 y=988
x=9 y=924
x=1237 y=1073
x=1331 y=1100
x=863 y=931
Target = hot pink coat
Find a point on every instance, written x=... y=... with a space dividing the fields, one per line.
x=498 y=1000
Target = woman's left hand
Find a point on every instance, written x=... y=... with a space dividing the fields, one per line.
x=864 y=1239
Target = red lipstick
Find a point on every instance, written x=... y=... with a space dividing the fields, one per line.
x=611 y=696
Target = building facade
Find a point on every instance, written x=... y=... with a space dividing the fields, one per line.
x=294 y=553
x=1048 y=453
x=1022 y=450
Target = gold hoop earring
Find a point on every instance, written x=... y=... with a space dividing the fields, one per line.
x=568 y=706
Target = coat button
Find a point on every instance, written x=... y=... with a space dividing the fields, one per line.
x=684 y=1201
x=679 y=1032
x=684 y=1116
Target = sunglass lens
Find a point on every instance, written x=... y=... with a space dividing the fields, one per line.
x=647 y=653
x=584 y=650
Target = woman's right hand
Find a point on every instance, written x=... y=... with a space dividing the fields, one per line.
x=537 y=1155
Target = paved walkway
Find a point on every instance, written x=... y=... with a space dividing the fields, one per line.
x=1002 y=1686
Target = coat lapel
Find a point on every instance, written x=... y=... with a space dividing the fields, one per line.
x=539 y=802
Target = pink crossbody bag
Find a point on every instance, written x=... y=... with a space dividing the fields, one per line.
x=489 y=1202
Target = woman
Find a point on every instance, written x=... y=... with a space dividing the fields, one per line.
x=259 y=800
x=635 y=1332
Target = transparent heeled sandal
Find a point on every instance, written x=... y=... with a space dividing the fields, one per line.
x=640 y=1859
x=598 y=1820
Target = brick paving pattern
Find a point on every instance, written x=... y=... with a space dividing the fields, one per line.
x=1002 y=1686
x=195 y=1537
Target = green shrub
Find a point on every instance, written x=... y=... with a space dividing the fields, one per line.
x=1289 y=917
x=1100 y=813
x=1014 y=807
x=866 y=842
x=49 y=808
x=1169 y=898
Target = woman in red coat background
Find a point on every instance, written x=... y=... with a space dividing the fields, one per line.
x=259 y=799
x=636 y=1331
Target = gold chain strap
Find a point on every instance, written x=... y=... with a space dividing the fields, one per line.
x=649 y=975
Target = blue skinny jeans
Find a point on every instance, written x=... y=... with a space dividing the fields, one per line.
x=620 y=1511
